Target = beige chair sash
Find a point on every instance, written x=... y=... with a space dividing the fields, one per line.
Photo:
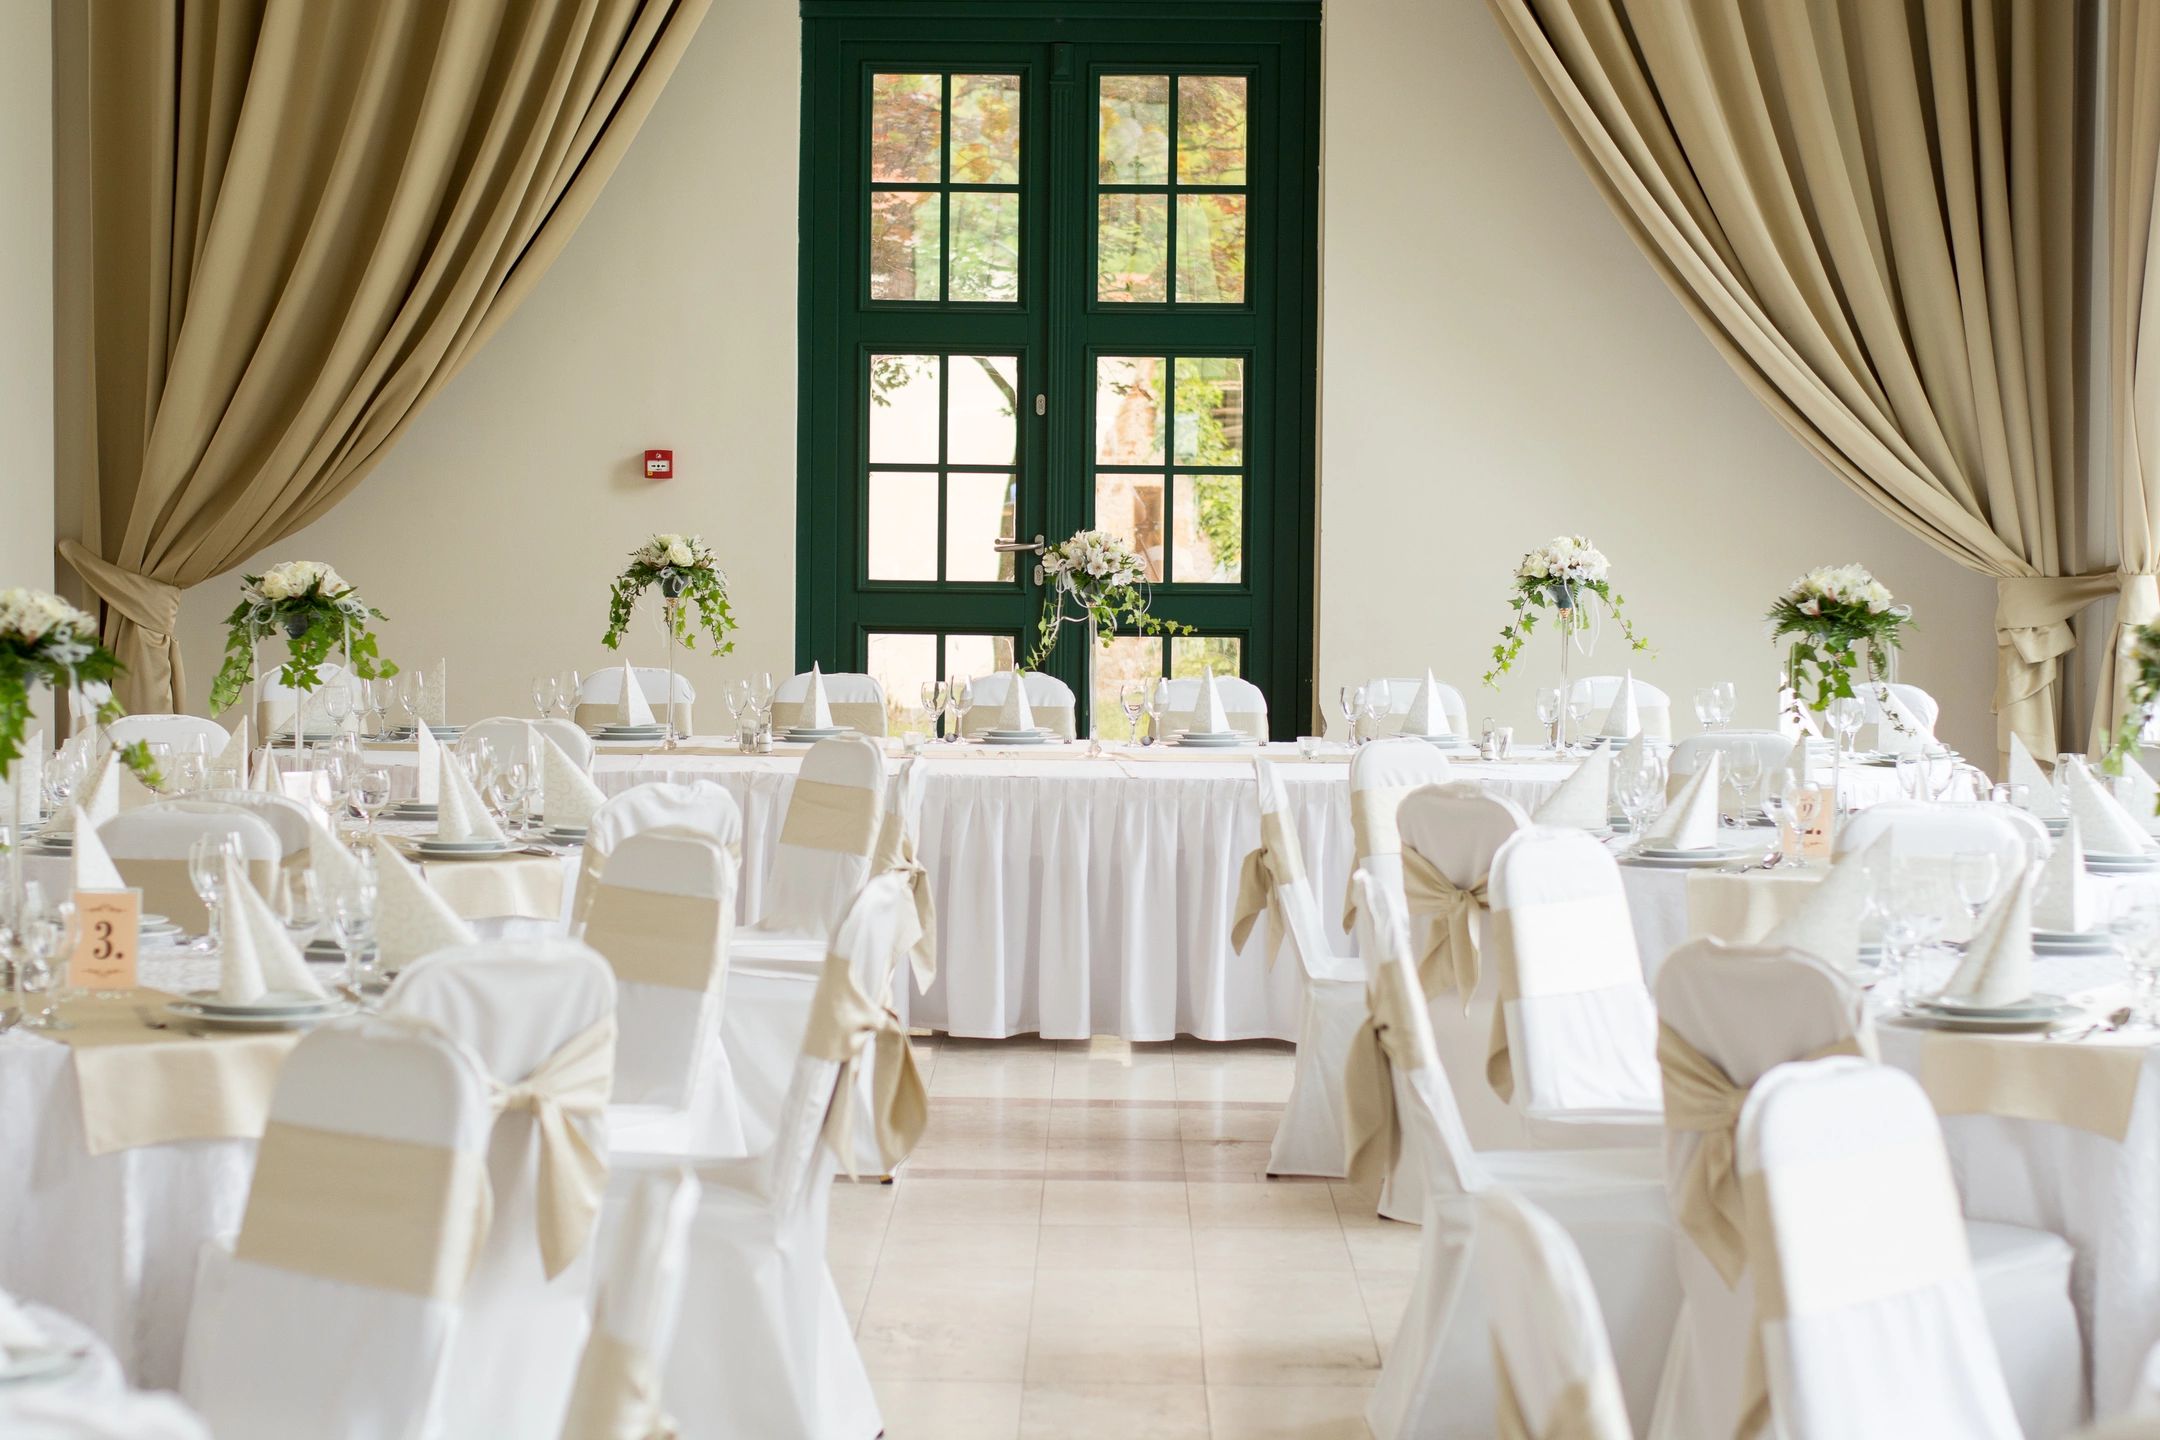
x=592 y=717
x=1373 y=1129
x=845 y=1028
x=824 y=816
x=1451 y=954
x=1278 y=862
x=896 y=856
x=592 y=861
x=169 y=890
x=386 y=1214
x=649 y=938
x=1576 y=1415
x=1373 y=831
x=865 y=717
x=1701 y=1099
x=571 y=1084
x=617 y=1396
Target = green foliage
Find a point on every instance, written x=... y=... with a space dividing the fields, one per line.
x=315 y=625
x=1109 y=608
x=701 y=586
x=1825 y=649
x=2141 y=690
x=1532 y=596
x=72 y=661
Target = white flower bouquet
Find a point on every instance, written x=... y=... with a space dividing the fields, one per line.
x=318 y=611
x=2141 y=692
x=46 y=641
x=1104 y=581
x=683 y=566
x=1559 y=576
x=1831 y=612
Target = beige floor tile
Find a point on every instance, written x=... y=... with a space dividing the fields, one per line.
x=1386 y=1293
x=1113 y=1202
x=1383 y=1247
x=1323 y=1299
x=1144 y=1159
x=1113 y=1122
x=949 y=1409
x=963 y=1118
x=1018 y=1076
x=1293 y=1327
x=1275 y=1202
x=973 y=1154
x=1116 y=1247
x=1235 y=1073
x=861 y=1203
x=853 y=1283
x=1082 y=1077
x=968 y=1202
x=1122 y=1354
x=942 y=1323
x=1207 y=1122
x=1288 y=1412
x=1126 y=1412
x=1266 y=1247
x=914 y=1242
x=1360 y=1205
x=1096 y=1296
x=1245 y=1158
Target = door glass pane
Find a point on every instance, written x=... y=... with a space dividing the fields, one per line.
x=901 y=663
x=1131 y=247
x=1131 y=507
x=986 y=129
x=1210 y=250
x=1127 y=657
x=1210 y=529
x=904 y=245
x=906 y=127
x=904 y=409
x=980 y=428
x=903 y=525
x=1129 y=410
x=986 y=246
x=978 y=512
x=1133 y=140
x=1211 y=130
x=1210 y=410
x=972 y=655
x=1191 y=655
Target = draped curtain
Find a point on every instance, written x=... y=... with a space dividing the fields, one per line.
x=1872 y=208
x=305 y=216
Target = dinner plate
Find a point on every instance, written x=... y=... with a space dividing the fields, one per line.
x=1978 y=1024
x=1017 y=737
x=462 y=850
x=1720 y=852
x=1704 y=860
x=193 y=1014
x=276 y=1002
x=1210 y=737
x=39 y=1363
x=2072 y=940
x=1440 y=739
x=812 y=733
x=2038 y=1006
x=568 y=834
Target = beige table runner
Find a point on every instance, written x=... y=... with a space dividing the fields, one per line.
x=2087 y=1087
x=1741 y=909
x=141 y=1086
x=527 y=887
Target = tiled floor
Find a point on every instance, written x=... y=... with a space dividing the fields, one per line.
x=1085 y=1245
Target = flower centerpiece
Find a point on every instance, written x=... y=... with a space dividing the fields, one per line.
x=46 y=641
x=684 y=568
x=2140 y=664
x=1104 y=583
x=318 y=613
x=1830 y=613
x=1563 y=575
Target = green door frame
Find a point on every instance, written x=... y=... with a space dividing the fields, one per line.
x=1059 y=46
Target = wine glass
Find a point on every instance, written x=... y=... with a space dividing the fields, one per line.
x=2134 y=921
x=47 y=939
x=1706 y=708
x=370 y=792
x=1845 y=716
x=1579 y=710
x=409 y=701
x=567 y=692
x=543 y=695
x=933 y=705
x=1725 y=698
x=1352 y=699
x=1976 y=873
x=1377 y=704
x=206 y=872
x=333 y=777
x=337 y=701
x=352 y=922
x=735 y=694
x=963 y=699
x=761 y=689
x=1548 y=714
x=160 y=779
x=191 y=771
x=1744 y=768
x=1911 y=782
x=1918 y=908
x=1638 y=787
x=297 y=905
x=1132 y=699
x=508 y=785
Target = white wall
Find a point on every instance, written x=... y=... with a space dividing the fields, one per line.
x=26 y=296
x=1499 y=364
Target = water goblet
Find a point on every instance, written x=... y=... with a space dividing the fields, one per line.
x=207 y=857
x=337 y=702
x=761 y=689
x=297 y=906
x=543 y=695
x=1132 y=699
x=352 y=923
x=963 y=698
x=47 y=939
x=370 y=793
x=1549 y=710
x=1376 y=705
x=1724 y=698
x=190 y=773
x=1352 y=700
x=1976 y=873
x=1744 y=768
x=1845 y=715
x=1706 y=708
x=1579 y=710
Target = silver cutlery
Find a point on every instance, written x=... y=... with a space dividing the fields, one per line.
x=2114 y=1021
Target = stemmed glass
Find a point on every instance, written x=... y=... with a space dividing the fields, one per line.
x=297 y=905
x=191 y=770
x=1375 y=706
x=1548 y=715
x=761 y=690
x=333 y=778
x=1579 y=709
x=1706 y=708
x=934 y=696
x=1845 y=716
x=735 y=694
x=508 y=785
x=1744 y=771
x=338 y=705
x=1638 y=788
x=567 y=691
x=206 y=872
x=1976 y=873
x=1724 y=699
x=352 y=922
x=963 y=700
x=161 y=766
x=410 y=702
x=1918 y=907
x=544 y=695
x=1132 y=699
x=1777 y=807
x=1352 y=699
x=370 y=791
x=47 y=937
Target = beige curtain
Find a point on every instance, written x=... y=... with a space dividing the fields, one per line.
x=1871 y=206
x=306 y=216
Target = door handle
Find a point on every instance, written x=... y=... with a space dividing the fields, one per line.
x=1019 y=547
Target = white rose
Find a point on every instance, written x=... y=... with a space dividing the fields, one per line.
x=678 y=553
x=275 y=586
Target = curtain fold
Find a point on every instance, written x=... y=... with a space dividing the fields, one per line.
x=306 y=216
x=1871 y=207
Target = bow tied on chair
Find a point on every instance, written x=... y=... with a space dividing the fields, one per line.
x=571 y=1084
x=1451 y=955
x=1373 y=1132
x=1276 y=863
x=847 y=1027
x=896 y=856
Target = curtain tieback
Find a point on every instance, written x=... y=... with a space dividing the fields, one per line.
x=150 y=604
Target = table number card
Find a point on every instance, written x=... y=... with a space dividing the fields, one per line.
x=1811 y=807
x=108 y=940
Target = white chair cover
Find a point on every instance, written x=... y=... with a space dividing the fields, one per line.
x=333 y=1313
x=1402 y=693
x=1921 y=829
x=826 y=840
x=517 y=735
x=150 y=846
x=617 y=1396
x=179 y=731
x=1456 y=829
x=64 y=1412
x=1873 y=1329
x=1243 y=705
x=700 y=807
x=1580 y=1032
x=765 y=1347
x=1652 y=705
x=1771 y=750
x=1049 y=697
x=1553 y=1367
x=517 y=1005
x=1381 y=774
x=293 y=820
x=857 y=701
x=601 y=692
x=1747 y=1010
x=662 y=916
x=1437 y=1379
x=1917 y=703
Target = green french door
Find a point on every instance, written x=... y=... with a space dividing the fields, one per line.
x=1058 y=273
